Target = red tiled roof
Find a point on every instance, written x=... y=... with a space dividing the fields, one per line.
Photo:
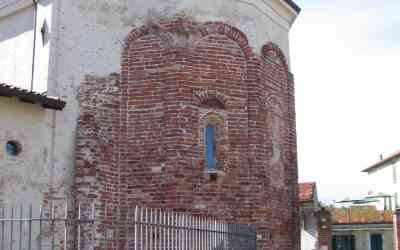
x=381 y=162
x=32 y=97
x=306 y=191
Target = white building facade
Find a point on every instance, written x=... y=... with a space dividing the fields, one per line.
x=384 y=179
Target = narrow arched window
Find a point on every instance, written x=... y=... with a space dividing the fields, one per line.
x=210 y=146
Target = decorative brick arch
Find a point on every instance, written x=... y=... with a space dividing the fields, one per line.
x=271 y=49
x=202 y=97
x=187 y=27
x=232 y=32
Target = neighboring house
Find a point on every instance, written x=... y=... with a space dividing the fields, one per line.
x=184 y=105
x=381 y=202
x=361 y=227
x=309 y=205
x=384 y=177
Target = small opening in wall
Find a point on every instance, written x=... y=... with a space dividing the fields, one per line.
x=13 y=148
x=213 y=177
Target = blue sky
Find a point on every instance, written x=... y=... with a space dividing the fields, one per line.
x=345 y=57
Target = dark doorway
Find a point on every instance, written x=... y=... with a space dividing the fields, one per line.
x=376 y=242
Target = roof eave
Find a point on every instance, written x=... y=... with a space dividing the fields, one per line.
x=293 y=6
x=26 y=96
x=381 y=163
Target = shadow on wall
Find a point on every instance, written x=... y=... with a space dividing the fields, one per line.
x=17 y=24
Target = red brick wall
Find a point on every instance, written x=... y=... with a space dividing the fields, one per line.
x=140 y=133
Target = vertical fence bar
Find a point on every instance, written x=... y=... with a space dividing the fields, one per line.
x=201 y=228
x=218 y=233
x=221 y=233
x=52 y=217
x=190 y=233
x=182 y=233
x=164 y=229
x=65 y=224
x=172 y=231
x=161 y=226
x=128 y=229
x=176 y=232
x=204 y=235
x=12 y=228
x=168 y=230
x=141 y=228
x=2 y=226
x=20 y=226
x=196 y=239
x=135 y=225
x=93 y=224
x=212 y=225
x=198 y=223
x=30 y=228
x=203 y=232
x=151 y=229
x=209 y=228
x=40 y=226
x=155 y=224
x=146 y=227
x=227 y=235
x=105 y=226
x=214 y=233
x=209 y=234
x=183 y=229
x=79 y=226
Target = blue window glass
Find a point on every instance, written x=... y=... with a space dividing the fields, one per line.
x=211 y=162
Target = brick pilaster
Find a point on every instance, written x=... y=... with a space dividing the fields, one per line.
x=324 y=230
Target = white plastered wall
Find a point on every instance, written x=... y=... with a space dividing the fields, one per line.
x=30 y=175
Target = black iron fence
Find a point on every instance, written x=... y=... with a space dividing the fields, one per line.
x=57 y=225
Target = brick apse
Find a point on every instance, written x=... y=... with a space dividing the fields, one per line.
x=141 y=133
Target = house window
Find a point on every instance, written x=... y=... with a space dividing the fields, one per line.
x=210 y=146
x=376 y=241
x=343 y=242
